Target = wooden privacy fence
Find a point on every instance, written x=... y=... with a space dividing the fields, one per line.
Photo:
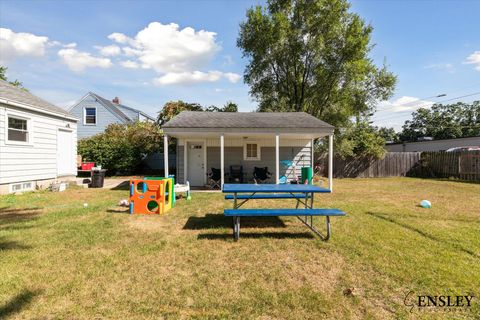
x=459 y=165
x=394 y=164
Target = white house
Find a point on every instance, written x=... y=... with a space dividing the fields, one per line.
x=207 y=140
x=38 y=141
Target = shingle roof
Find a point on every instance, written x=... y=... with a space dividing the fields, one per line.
x=15 y=94
x=110 y=105
x=117 y=108
x=199 y=119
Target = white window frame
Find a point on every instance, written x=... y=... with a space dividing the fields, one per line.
x=21 y=116
x=258 y=157
x=85 y=116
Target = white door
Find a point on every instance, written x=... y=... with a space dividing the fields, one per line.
x=64 y=153
x=195 y=164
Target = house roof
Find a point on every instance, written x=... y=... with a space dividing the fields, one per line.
x=246 y=120
x=16 y=95
x=119 y=109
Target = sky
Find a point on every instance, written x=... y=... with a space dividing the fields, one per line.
x=150 y=52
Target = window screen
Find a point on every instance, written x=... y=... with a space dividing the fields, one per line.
x=252 y=150
x=17 y=129
x=90 y=116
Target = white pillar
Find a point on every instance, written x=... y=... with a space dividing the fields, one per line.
x=185 y=161
x=165 y=155
x=222 y=160
x=312 y=155
x=330 y=162
x=277 y=160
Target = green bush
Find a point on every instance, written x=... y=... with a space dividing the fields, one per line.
x=122 y=147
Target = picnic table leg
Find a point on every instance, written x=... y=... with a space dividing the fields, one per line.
x=311 y=207
x=328 y=228
x=236 y=228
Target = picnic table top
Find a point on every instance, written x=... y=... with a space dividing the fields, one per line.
x=271 y=188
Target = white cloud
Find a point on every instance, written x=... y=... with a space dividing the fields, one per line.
x=78 y=61
x=441 y=66
x=186 y=78
x=474 y=59
x=70 y=45
x=129 y=64
x=119 y=37
x=109 y=51
x=128 y=51
x=232 y=77
x=404 y=104
x=14 y=44
x=166 y=48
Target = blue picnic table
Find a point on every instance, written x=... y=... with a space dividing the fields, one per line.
x=303 y=194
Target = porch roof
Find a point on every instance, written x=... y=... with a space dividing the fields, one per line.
x=243 y=122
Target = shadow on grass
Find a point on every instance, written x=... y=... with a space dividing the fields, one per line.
x=422 y=233
x=124 y=211
x=215 y=221
x=257 y=235
x=17 y=303
x=124 y=185
x=12 y=245
x=10 y=216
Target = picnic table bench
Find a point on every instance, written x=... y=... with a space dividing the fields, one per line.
x=303 y=194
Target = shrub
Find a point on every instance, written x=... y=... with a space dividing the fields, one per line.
x=122 y=147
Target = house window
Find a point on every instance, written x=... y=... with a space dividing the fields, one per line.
x=90 y=116
x=22 y=186
x=251 y=151
x=18 y=129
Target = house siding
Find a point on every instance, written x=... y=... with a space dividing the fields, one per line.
x=298 y=150
x=36 y=161
x=234 y=156
x=104 y=117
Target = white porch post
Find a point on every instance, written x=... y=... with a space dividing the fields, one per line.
x=330 y=162
x=277 y=160
x=312 y=155
x=165 y=155
x=185 y=161
x=222 y=160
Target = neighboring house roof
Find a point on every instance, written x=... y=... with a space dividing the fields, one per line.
x=125 y=113
x=246 y=120
x=10 y=94
x=432 y=140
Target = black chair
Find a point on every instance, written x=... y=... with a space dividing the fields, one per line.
x=261 y=175
x=215 y=178
x=236 y=174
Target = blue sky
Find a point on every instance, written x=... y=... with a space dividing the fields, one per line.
x=187 y=50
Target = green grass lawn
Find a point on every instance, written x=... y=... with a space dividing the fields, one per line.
x=61 y=260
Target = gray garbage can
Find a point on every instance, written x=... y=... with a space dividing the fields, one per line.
x=98 y=176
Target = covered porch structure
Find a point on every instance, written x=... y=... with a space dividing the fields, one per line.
x=282 y=142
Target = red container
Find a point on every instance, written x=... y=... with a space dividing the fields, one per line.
x=88 y=165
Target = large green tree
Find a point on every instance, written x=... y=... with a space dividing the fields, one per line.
x=456 y=120
x=172 y=108
x=312 y=56
x=361 y=139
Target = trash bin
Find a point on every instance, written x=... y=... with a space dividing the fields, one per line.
x=307 y=174
x=98 y=176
